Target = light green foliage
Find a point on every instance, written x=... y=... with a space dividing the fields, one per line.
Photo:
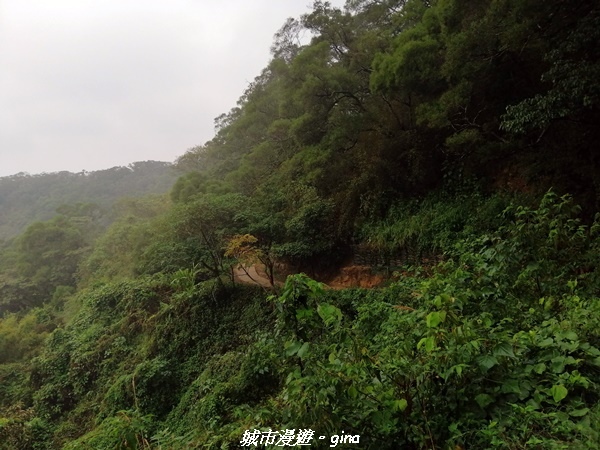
x=413 y=231
x=187 y=186
x=125 y=431
x=116 y=253
x=22 y=337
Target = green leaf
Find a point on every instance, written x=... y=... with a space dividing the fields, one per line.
x=483 y=400
x=533 y=404
x=571 y=335
x=333 y=359
x=292 y=347
x=428 y=342
x=304 y=314
x=510 y=386
x=579 y=412
x=400 y=405
x=558 y=392
x=558 y=364
x=459 y=368
x=504 y=349
x=486 y=362
x=302 y=351
x=330 y=314
x=352 y=392
x=435 y=318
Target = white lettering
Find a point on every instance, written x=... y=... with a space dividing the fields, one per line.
x=334 y=440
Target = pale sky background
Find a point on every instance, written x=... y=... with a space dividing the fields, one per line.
x=93 y=84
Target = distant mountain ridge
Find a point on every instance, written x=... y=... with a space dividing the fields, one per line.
x=26 y=198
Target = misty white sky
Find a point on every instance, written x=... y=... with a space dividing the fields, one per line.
x=92 y=84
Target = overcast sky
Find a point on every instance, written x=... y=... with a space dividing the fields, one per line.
x=92 y=84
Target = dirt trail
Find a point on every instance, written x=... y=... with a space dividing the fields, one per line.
x=249 y=275
x=350 y=276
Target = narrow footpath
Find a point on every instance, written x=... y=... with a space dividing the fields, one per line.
x=249 y=275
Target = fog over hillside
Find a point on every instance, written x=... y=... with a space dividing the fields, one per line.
x=26 y=198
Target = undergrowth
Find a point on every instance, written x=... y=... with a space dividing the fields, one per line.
x=498 y=348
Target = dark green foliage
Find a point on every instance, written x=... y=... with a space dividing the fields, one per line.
x=474 y=356
x=132 y=350
x=572 y=76
x=195 y=235
x=499 y=348
x=125 y=431
x=413 y=231
x=49 y=253
x=117 y=252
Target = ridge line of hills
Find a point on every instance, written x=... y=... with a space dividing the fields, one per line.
x=26 y=198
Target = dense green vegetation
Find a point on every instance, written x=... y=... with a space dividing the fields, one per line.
x=453 y=142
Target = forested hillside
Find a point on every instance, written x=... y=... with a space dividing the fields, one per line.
x=27 y=198
x=452 y=145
